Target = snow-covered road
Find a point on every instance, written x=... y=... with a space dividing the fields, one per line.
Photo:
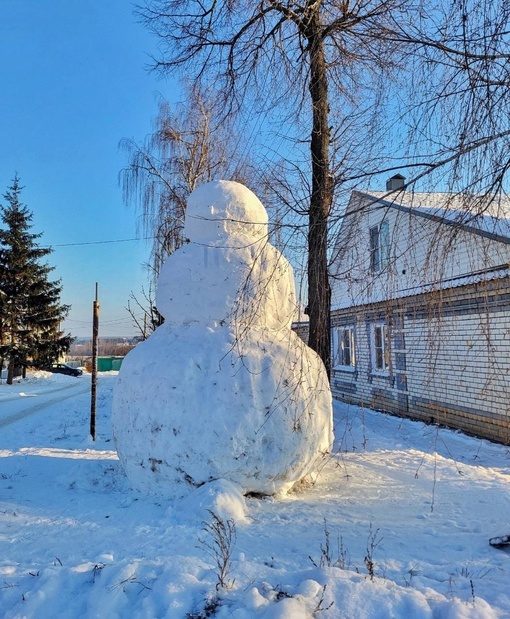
x=33 y=400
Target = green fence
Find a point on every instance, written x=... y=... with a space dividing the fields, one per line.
x=105 y=364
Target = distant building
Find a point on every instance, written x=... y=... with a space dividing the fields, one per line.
x=421 y=308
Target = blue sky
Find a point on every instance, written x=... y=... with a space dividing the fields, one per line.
x=73 y=83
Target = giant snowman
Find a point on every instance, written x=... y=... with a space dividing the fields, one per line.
x=224 y=389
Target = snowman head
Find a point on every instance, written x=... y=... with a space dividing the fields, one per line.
x=225 y=213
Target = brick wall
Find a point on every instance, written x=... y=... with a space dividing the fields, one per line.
x=449 y=359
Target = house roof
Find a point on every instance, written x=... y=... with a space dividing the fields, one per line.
x=483 y=215
x=501 y=271
x=480 y=216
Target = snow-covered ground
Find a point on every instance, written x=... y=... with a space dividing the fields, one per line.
x=395 y=525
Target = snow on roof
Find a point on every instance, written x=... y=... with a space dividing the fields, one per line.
x=485 y=215
x=340 y=301
x=477 y=215
x=484 y=275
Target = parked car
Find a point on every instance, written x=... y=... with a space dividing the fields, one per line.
x=63 y=368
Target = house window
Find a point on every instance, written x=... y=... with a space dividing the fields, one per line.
x=379 y=246
x=343 y=347
x=380 y=348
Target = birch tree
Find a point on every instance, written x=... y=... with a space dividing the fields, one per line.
x=187 y=148
x=460 y=127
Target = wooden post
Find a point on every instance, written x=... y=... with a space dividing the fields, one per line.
x=95 y=337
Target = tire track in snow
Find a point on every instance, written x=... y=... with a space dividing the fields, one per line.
x=42 y=405
x=17 y=396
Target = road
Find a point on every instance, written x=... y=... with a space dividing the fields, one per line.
x=14 y=407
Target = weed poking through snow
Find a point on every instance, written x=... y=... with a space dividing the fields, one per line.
x=372 y=542
x=326 y=559
x=219 y=545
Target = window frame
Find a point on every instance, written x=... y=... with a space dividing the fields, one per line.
x=379 y=243
x=343 y=334
x=380 y=348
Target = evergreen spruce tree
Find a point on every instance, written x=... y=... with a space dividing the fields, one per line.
x=30 y=308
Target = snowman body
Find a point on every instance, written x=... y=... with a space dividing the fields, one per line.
x=224 y=389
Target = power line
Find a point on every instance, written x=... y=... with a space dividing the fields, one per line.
x=120 y=320
x=144 y=238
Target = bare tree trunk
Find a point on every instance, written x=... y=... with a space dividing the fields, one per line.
x=10 y=372
x=319 y=294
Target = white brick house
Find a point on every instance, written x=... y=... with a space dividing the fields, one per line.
x=421 y=309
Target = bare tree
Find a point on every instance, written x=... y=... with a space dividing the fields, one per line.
x=289 y=55
x=453 y=114
x=150 y=317
x=328 y=67
x=187 y=148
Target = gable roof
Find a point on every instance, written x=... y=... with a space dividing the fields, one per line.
x=354 y=284
x=476 y=214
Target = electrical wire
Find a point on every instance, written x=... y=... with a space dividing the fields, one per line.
x=143 y=238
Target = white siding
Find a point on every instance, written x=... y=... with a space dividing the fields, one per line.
x=423 y=253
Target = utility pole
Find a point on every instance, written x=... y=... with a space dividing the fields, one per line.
x=95 y=337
